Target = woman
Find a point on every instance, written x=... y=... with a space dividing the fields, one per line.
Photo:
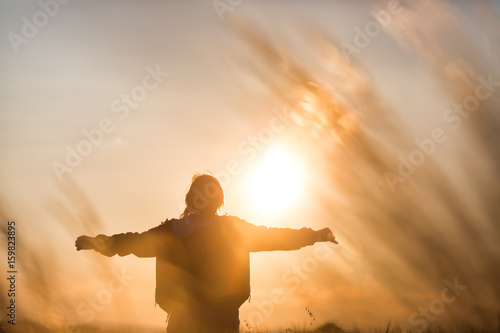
x=202 y=258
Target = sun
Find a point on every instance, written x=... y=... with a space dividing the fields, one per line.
x=276 y=182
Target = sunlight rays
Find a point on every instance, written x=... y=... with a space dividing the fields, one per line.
x=276 y=183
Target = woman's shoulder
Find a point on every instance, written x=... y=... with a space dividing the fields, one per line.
x=230 y=218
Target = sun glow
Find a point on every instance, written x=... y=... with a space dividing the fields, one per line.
x=276 y=182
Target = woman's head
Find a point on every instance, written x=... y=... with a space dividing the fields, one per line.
x=205 y=196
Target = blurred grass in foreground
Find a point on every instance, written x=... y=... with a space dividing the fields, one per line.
x=34 y=327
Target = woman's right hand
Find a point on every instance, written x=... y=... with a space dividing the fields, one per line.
x=84 y=243
x=101 y=243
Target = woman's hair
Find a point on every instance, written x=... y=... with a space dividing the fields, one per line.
x=205 y=196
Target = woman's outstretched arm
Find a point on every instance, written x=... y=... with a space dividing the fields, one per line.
x=261 y=238
x=140 y=244
x=101 y=243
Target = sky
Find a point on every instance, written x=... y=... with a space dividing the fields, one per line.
x=108 y=109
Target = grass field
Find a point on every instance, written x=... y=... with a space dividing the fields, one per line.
x=32 y=327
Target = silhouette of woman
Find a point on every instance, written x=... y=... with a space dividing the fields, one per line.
x=202 y=258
